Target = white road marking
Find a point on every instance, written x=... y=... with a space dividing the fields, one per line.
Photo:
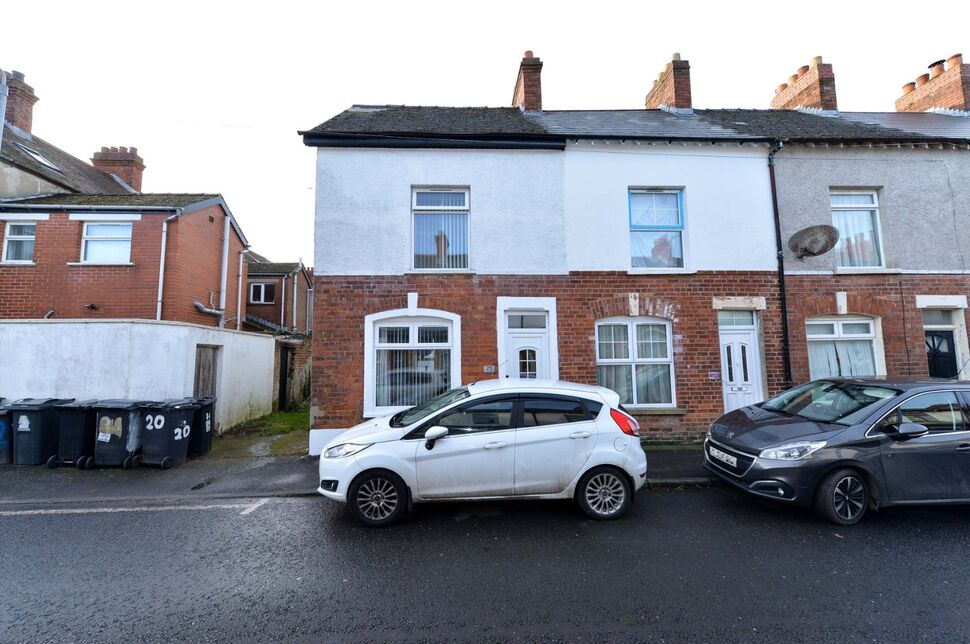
x=254 y=506
x=247 y=508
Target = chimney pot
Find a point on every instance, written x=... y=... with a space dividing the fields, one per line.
x=18 y=75
x=922 y=79
x=792 y=79
x=803 y=70
x=815 y=62
x=675 y=56
x=781 y=88
x=954 y=61
x=528 y=54
x=936 y=68
x=908 y=87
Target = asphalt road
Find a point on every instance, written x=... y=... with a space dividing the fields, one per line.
x=685 y=565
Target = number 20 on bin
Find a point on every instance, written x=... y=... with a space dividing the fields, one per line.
x=158 y=422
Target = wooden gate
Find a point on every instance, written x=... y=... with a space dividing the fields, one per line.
x=206 y=369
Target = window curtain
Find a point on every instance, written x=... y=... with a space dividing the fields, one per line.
x=857 y=245
x=841 y=358
x=619 y=378
x=653 y=384
x=440 y=240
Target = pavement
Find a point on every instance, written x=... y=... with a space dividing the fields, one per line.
x=693 y=564
x=217 y=476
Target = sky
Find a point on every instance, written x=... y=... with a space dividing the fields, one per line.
x=212 y=93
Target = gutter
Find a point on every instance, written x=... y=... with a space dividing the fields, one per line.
x=782 y=292
x=161 y=264
x=224 y=272
x=9 y=205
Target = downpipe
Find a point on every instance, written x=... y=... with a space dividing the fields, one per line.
x=782 y=290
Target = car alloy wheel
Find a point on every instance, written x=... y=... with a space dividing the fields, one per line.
x=849 y=498
x=605 y=494
x=377 y=499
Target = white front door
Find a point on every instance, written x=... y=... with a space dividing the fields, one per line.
x=740 y=367
x=527 y=345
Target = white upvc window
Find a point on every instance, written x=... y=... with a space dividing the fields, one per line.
x=409 y=358
x=262 y=293
x=856 y=216
x=844 y=346
x=106 y=242
x=18 y=242
x=656 y=228
x=440 y=228
x=634 y=358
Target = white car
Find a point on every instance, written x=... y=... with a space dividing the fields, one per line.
x=498 y=439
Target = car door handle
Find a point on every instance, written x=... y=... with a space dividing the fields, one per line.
x=580 y=435
x=494 y=445
x=964 y=448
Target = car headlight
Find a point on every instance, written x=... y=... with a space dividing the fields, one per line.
x=792 y=451
x=345 y=449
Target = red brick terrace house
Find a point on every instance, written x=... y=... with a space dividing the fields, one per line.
x=279 y=296
x=79 y=240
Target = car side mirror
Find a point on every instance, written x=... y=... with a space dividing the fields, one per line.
x=911 y=430
x=434 y=433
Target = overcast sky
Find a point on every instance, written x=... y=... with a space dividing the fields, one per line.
x=212 y=94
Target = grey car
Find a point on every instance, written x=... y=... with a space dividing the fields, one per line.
x=845 y=445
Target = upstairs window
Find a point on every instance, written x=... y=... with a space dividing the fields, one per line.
x=656 y=228
x=18 y=242
x=262 y=293
x=440 y=228
x=856 y=216
x=106 y=243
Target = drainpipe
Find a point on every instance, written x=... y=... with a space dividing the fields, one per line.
x=295 y=281
x=782 y=293
x=239 y=287
x=3 y=101
x=224 y=275
x=309 y=309
x=283 y=304
x=161 y=264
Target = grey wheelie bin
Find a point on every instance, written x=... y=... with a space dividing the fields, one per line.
x=119 y=430
x=166 y=432
x=6 y=436
x=204 y=424
x=35 y=424
x=76 y=440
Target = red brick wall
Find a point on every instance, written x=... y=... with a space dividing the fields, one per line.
x=815 y=87
x=582 y=298
x=271 y=312
x=950 y=90
x=193 y=266
x=892 y=298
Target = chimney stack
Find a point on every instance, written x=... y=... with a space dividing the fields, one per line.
x=812 y=86
x=20 y=102
x=528 y=85
x=123 y=162
x=672 y=87
x=945 y=86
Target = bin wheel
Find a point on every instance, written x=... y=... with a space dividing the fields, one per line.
x=52 y=462
x=136 y=461
x=79 y=463
x=167 y=463
x=89 y=463
x=126 y=464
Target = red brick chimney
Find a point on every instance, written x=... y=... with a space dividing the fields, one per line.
x=123 y=162
x=946 y=86
x=528 y=85
x=672 y=87
x=812 y=86
x=20 y=102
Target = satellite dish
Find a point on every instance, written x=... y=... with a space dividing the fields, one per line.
x=814 y=240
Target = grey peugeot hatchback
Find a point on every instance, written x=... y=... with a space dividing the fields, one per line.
x=844 y=445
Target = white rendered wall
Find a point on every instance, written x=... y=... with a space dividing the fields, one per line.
x=143 y=360
x=727 y=203
x=363 y=208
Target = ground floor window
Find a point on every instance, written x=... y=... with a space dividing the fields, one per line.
x=410 y=359
x=634 y=358
x=842 y=346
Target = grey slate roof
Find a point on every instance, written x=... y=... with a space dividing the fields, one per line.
x=273 y=268
x=159 y=200
x=75 y=175
x=478 y=123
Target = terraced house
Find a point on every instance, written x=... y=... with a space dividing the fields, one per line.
x=640 y=249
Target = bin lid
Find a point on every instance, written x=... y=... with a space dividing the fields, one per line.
x=116 y=403
x=174 y=403
x=204 y=400
x=37 y=404
x=79 y=404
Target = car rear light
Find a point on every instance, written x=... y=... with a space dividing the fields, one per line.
x=625 y=422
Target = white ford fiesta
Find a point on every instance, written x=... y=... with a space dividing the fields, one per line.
x=498 y=439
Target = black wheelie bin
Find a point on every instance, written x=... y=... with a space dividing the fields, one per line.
x=204 y=424
x=78 y=427
x=119 y=430
x=167 y=430
x=35 y=424
x=6 y=436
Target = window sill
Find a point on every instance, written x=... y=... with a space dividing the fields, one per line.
x=656 y=411
x=438 y=271
x=256 y=303
x=18 y=264
x=866 y=270
x=660 y=271
x=100 y=264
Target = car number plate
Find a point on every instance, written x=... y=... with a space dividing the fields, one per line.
x=724 y=458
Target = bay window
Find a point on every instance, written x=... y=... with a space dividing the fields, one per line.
x=634 y=358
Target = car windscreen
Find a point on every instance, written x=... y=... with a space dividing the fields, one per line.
x=416 y=413
x=830 y=402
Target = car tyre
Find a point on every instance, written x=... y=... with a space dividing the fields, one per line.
x=842 y=497
x=604 y=494
x=378 y=498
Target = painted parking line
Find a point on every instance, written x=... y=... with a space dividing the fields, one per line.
x=246 y=508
